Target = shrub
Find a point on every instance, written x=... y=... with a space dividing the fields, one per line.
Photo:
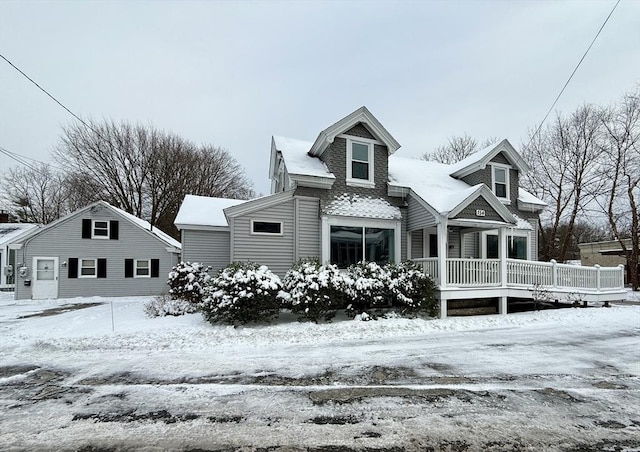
x=314 y=291
x=242 y=292
x=411 y=289
x=187 y=281
x=164 y=305
x=367 y=286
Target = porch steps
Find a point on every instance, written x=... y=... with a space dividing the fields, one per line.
x=479 y=306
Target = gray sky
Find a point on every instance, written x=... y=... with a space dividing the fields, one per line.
x=234 y=73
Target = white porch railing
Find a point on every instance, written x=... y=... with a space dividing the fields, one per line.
x=521 y=273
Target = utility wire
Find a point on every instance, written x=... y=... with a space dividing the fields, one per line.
x=88 y=126
x=573 y=73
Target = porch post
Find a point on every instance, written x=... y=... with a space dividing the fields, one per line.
x=502 y=307
x=443 y=240
x=502 y=238
x=443 y=306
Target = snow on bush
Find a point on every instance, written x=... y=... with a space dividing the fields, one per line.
x=164 y=305
x=411 y=289
x=187 y=280
x=314 y=291
x=367 y=285
x=242 y=292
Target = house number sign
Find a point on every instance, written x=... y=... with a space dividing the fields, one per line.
x=480 y=213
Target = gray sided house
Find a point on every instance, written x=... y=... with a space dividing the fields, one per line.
x=10 y=232
x=347 y=197
x=98 y=250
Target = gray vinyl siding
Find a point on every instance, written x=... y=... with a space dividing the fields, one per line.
x=275 y=251
x=454 y=244
x=417 y=243
x=470 y=245
x=211 y=248
x=64 y=241
x=308 y=228
x=534 y=238
x=403 y=236
x=417 y=216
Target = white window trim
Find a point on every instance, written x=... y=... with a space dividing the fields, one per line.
x=506 y=200
x=93 y=229
x=328 y=221
x=80 y=267
x=135 y=268
x=251 y=231
x=370 y=182
x=510 y=233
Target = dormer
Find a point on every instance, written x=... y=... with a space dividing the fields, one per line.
x=498 y=166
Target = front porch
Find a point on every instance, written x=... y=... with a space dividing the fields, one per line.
x=460 y=278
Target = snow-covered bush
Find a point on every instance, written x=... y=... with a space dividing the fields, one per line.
x=411 y=289
x=187 y=280
x=164 y=305
x=242 y=292
x=367 y=285
x=314 y=291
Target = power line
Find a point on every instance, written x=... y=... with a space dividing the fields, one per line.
x=573 y=73
x=88 y=126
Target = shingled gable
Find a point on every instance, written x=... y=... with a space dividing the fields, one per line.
x=479 y=160
x=361 y=115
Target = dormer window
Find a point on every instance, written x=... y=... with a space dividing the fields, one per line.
x=500 y=181
x=360 y=163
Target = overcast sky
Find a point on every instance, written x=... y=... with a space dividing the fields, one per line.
x=233 y=74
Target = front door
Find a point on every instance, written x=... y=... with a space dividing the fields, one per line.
x=45 y=278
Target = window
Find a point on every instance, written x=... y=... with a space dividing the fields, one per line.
x=266 y=227
x=100 y=229
x=500 y=177
x=142 y=268
x=360 y=163
x=88 y=268
x=351 y=244
x=433 y=245
x=517 y=247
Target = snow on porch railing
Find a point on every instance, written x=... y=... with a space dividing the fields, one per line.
x=430 y=267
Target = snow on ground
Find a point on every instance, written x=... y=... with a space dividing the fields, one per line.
x=105 y=376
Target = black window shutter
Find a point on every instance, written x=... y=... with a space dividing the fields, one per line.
x=73 y=266
x=102 y=268
x=128 y=268
x=86 y=228
x=155 y=268
x=113 y=230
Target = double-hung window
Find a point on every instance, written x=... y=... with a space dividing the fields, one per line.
x=88 y=268
x=100 y=229
x=500 y=180
x=360 y=163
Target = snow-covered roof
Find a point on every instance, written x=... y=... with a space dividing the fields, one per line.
x=478 y=160
x=430 y=181
x=362 y=206
x=297 y=159
x=527 y=198
x=521 y=223
x=12 y=231
x=146 y=226
x=204 y=211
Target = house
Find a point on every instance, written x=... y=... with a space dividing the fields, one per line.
x=98 y=250
x=347 y=196
x=606 y=254
x=10 y=232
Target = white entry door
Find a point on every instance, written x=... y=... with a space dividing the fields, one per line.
x=45 y=278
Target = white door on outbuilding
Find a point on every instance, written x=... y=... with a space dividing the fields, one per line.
x=45 y=278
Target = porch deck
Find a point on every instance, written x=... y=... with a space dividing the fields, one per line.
x=514 y=278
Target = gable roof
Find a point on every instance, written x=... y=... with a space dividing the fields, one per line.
x=13 y=231
x=301 y=167
x=479 y=160
x=138 y=222
x=362 y=115
x=445 y=194
x=204 y=211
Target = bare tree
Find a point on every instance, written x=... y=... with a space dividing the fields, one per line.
x=563 y=159
x=144 y=171
x=620 y=171
x=35 y=194
x=457 y=148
